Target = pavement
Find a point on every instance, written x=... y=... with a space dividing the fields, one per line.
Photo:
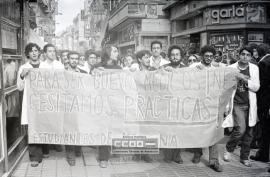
x=123 y=166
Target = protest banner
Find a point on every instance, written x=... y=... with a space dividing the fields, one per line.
x=183 y=108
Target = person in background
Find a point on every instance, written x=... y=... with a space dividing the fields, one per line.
x=143 y=59
x=156 y=60
x=243 y=106
x=64 y=58
x=255 y=55
x=163 y=54
x=264 y=105
x=176 y=55
x=73 y=151
x=207 y=53
x=82 y=64
x=218 y=60
x=50 y=61
x=98 y=52
x=192 y=59
x=32 y=52
x=127 y=61
x=108 y=61
x=91 y=58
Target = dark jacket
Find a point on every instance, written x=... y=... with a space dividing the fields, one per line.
x=264 y=92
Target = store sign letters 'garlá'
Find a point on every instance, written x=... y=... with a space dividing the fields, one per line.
x=232 y=12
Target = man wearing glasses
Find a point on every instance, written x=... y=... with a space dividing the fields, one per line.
x=207 y=53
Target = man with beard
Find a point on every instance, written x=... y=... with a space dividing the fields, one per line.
x=207 y=53
x=175 y=54
x=72 y=151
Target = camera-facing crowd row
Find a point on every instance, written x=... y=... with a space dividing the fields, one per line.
x=249 y=102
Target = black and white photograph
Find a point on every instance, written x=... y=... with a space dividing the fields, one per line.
x=134 y=88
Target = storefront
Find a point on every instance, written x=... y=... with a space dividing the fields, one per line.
x=226 y=26
x=239 y=24
x=136 y=25
x=12 y=35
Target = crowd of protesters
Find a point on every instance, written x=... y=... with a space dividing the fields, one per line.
x=249 y=102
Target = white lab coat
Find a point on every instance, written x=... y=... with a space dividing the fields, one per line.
x=253 y=86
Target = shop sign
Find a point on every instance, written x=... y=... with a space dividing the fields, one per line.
x=156 y=25
x=252 y=13
x=233 y=12
x=255 y=13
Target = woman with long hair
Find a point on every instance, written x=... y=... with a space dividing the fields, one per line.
x=108 y=61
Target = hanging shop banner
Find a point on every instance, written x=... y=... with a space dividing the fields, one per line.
x=183 y=108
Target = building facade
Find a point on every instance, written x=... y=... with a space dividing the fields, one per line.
x=44 y=15
x=226 y=25
x=133 y=25
x=96 y=21
x=18 y=19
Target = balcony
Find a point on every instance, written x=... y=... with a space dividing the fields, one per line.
x=135 y=10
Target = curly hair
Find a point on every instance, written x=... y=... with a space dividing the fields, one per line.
x=142 y=53
x=172 y=47
x=207 y=48
x=29 y=47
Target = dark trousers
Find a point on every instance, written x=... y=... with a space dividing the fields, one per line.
x=172 y=154
x=103 y=153
x=213 y=153
x=241 y=131
x=36 y=151
x=72 y=151
x=265 y=139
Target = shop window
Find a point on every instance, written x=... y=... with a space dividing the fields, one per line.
x=12 y=108
x=10 y=38
x=1 y=129
x=10 y=9
x=10 y=71
x=268 y=14
x=228 y=43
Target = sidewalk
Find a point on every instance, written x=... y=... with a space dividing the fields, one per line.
x=124 y=166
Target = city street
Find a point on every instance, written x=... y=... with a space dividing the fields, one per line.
x=137 y=76
x=124 y=166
